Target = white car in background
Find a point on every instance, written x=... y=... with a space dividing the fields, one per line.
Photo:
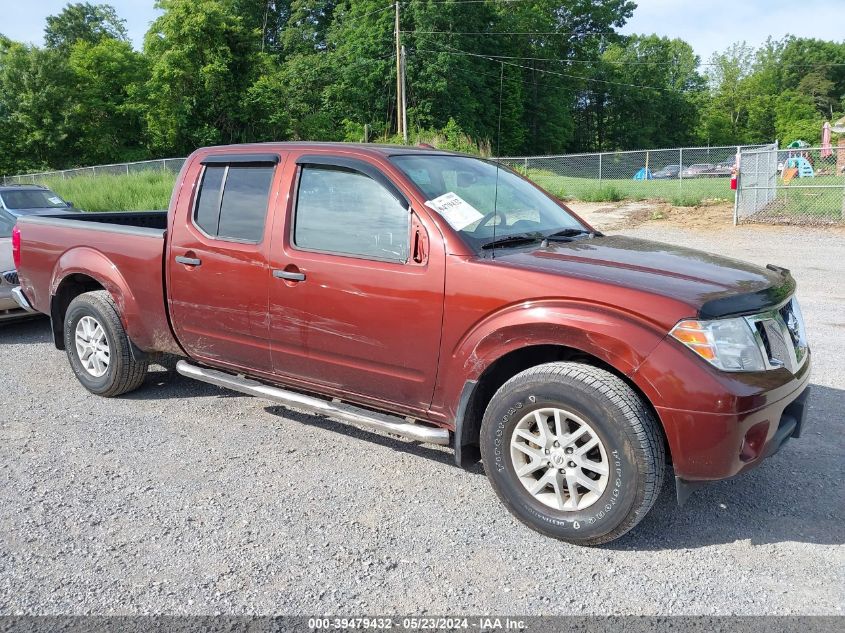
x=9 y=308
x=17 y=201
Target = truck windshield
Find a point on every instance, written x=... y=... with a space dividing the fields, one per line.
x=464 y=191
x=32 y=199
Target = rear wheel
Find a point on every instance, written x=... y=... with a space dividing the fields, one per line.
x=573 y=452
x=98 y=348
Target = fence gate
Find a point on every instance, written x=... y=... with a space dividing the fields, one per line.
x=795 y=185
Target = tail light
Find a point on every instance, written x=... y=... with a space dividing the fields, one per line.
x=16 y=246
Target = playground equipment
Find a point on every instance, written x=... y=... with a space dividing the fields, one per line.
x=797 y=166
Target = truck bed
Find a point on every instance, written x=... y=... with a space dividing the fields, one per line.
x=137 y=219
x=122 y=252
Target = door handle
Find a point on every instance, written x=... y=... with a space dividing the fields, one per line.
x=289 y=275
x=188 y=261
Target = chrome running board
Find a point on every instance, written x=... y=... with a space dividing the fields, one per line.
x=370 y=420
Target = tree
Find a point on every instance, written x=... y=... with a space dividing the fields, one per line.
x=816 y=68
x=726 y=114
x=796 y=118
x=202 y=60
x=103 y=107
x=34 y=84
x=83 y=21
x=650 y=88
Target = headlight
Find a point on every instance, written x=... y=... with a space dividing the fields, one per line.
x=728 y=344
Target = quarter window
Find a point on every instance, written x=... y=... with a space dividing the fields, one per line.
x=343 y=211
x=232 y=202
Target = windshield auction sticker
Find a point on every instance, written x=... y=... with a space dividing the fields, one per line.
x=455 y=210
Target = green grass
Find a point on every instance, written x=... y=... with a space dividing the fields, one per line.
x=152 y=189
x=683 y=192
x=143 y=191
x=800 y=199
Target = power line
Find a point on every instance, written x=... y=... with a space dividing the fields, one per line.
x=456 y=51
x=521 y=79
x=591 y=61
x=537 y=33
x=356 y=18
x=468 y=1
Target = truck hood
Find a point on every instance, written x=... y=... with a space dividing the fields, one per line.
x=712 y=285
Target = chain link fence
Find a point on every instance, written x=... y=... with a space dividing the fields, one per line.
x=800 y=185
x=163 y=164
x=685 y=176
x=786 y=186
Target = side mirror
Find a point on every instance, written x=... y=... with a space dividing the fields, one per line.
x=69 y=203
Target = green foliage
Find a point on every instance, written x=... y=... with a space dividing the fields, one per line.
x=103 y=107
x=202 y=57
x=34 y=85
x=796 y=118
x=783 y=89
x=603 y=193
x=488 y=77
x=663 y=114
x=686 y=200
x=83 y=22
x=144 y=191
x=687 y=192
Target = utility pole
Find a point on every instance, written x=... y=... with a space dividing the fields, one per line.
x=404 y=101
x=399 y=112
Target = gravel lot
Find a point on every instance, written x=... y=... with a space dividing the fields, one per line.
x=185 y=498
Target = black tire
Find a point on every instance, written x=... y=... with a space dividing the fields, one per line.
x=124 y=373
x=631 y=437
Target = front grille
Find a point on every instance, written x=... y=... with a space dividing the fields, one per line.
x=776 y=346
x=11 y=278
x=780 y=335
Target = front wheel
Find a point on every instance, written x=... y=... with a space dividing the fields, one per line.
x=573 y=452
x=98 y=348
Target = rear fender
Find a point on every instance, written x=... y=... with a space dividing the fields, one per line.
x=92 y=263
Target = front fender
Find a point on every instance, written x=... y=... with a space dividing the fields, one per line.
x=619 y=339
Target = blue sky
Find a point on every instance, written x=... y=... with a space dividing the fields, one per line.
x=709 y=25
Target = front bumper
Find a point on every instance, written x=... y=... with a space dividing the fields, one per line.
x=721 y=424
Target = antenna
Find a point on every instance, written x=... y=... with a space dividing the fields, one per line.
x=498 y=154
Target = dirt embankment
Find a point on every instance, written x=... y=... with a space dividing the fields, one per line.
x=610 y=216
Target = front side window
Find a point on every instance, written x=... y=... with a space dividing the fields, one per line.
x=343 y=211
x=483 y=202
x=240 y=212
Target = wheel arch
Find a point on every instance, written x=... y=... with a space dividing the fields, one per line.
x=71 y=286
x=476 y=394
x=85 y=269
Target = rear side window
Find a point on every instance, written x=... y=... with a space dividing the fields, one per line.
x=343 y=211
x=232 y=201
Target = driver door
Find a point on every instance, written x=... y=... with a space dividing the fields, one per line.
x=353 y=306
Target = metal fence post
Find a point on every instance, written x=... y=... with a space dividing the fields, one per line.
x=738 y=191
x=680 y=170
x=599 y=167
x=843 y=195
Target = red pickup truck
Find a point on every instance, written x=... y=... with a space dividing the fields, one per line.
x=445 y=299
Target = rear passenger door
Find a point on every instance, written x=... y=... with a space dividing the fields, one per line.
x=218 y=269
x=356 y=300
